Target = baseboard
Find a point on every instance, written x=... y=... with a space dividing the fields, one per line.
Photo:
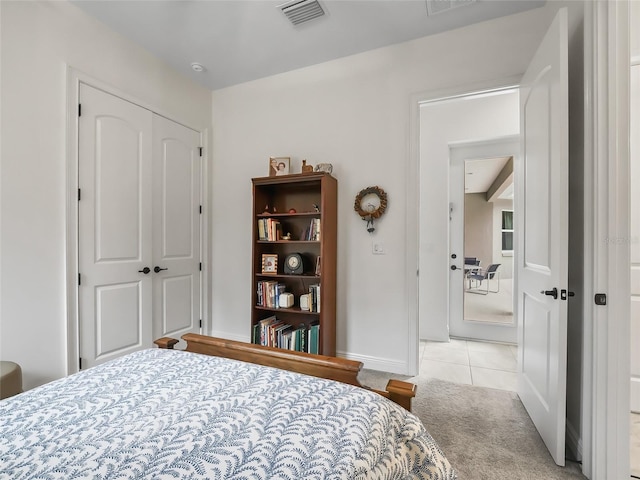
x=377 y=363
x=229 y=336
x=573 y=443
x=370 y=363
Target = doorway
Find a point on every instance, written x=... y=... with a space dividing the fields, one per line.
x=139 y=227
x=459 y=124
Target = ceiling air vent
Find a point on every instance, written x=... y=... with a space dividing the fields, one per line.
x=300 y=11
x=439 y=6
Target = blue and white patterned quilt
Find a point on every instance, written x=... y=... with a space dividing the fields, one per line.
x=164 y=414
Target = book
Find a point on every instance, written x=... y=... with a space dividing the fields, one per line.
x=264 y=328
x=314 y=338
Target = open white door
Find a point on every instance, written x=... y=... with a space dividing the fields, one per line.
x=542 y=181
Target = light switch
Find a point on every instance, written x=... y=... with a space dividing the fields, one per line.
x=378 y=248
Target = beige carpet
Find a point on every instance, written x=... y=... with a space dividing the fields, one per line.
x=485 y=433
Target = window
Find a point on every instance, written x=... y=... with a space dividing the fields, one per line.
x=507 y=233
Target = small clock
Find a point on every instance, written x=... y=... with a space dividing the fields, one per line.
x=294 y=264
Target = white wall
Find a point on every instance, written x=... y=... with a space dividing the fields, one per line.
x=354 y=113
x=478 y=228
x=441 y=124
x=39 y=40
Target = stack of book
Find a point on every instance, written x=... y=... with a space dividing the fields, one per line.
x=269 y=229
x=312 y=232
x=272 y=332
x=314 y=294
x=269 y=293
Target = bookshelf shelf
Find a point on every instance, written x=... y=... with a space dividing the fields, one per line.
x=289 y=241
x=296 y=310
x=312 y=229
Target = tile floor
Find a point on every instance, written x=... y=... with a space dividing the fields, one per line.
x=470 y=362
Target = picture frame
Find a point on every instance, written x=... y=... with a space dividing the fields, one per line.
x=270 y=263
x=279 y=166
x=317 y=271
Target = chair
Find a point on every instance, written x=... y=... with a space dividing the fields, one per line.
x=479 y=276
x=471 y=264
x=10 y=379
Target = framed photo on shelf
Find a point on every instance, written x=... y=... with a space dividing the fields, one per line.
x=318 y=266
x=279 y=166
x=270 y=263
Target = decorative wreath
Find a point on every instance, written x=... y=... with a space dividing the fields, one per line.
x=371 y=214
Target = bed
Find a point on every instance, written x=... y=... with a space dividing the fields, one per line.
x=219 y=410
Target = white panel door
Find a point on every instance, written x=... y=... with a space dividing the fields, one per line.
x=635 y=236
x=176 y=229
x=114 y=217
x=542 y=182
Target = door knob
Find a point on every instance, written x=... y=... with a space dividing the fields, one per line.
x=158 y=269
x=552 y=293
x=145 y=270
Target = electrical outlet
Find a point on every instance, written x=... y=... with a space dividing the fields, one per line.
x=378 y=248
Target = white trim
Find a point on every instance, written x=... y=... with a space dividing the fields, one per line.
x=376 y=363
x=230 y=336
x=606 y=329
x=74 y=79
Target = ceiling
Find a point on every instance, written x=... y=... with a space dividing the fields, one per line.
x=480 y=175
x=242 y=40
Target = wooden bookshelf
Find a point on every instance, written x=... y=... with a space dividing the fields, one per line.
x=312 y=231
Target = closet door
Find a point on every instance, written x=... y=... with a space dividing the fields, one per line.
x=115 y=226
x=176 y=229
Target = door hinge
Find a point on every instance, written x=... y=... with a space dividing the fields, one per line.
x=80 y=363
x=200 y=151
x=200 y=266
x=600 y=298
x=79 y=194
x=200 y=323
x=79 y=279
x=79 y=109
x=200 y=209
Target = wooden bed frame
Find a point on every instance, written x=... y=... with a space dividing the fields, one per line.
x=333 y=368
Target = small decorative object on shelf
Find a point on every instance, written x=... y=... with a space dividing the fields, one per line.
x=371 y=203
x=324 y=167
x=305 y=302
x=279 y=166
x=306 y=168
x=294 y=264
x=269 y=263
x=285 y=300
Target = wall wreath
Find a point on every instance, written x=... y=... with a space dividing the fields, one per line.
x=370 y=203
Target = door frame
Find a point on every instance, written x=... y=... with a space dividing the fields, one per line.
x=606 y=351
x=74 y=79
x=412 y=181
